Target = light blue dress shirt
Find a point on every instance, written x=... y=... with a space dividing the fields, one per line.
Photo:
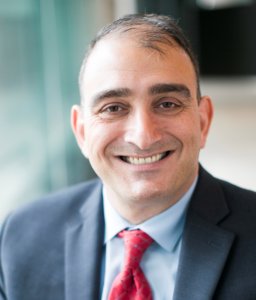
x=160 y=261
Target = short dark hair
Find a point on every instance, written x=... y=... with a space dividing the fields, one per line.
x=152 y=30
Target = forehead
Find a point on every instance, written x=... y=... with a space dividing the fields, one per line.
x=123 y=60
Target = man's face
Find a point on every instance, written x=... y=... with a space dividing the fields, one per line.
x=140 y=124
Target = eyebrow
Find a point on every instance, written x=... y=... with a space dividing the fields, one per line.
x=112 y=93
x=170 y=87
x=153 y=90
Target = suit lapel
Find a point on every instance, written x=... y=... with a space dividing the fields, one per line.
x=204 y=252
x=205 y=246
x=83 y=251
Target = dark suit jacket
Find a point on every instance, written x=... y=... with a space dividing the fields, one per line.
x=51 y=250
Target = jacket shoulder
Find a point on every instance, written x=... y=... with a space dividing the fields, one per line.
x=52 y=210
x=242 y=204
x=237 y=193
x=210 y=183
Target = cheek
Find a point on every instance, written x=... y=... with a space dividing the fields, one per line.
x=98 y=139
x=90 y=138
x=189 y=132
x=92 y=132
x=92 y=144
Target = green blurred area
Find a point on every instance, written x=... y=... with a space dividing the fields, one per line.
x=42 y=44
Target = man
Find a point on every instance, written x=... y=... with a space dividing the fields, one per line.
x=141 y=123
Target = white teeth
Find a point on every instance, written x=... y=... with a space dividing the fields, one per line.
x=144 y=160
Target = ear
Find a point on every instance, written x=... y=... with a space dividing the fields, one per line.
x=77 y=125
x=206 y=115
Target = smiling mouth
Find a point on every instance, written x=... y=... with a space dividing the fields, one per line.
x=135 y=160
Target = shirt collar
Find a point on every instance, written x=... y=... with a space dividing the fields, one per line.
x=165 y=228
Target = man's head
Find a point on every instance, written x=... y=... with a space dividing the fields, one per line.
x=141 y=122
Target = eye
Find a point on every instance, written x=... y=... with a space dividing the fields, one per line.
x=169 y=105
x=113 y=110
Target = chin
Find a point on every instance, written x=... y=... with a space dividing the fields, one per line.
x=148 y=193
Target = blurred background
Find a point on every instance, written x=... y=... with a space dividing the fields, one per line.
x=42 y=43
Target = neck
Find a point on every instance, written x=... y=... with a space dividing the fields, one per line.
x=136 y=211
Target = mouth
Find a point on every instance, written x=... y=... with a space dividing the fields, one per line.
x=136 y=160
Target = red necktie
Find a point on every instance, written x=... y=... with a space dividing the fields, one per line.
x=131 y=283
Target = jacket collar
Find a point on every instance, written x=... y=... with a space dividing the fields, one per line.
x=83 y=249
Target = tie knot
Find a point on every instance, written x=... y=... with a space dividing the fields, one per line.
x=136 y=242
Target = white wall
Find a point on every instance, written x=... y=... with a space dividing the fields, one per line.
x=230 y=152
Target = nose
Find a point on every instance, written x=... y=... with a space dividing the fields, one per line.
x=143 y=130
